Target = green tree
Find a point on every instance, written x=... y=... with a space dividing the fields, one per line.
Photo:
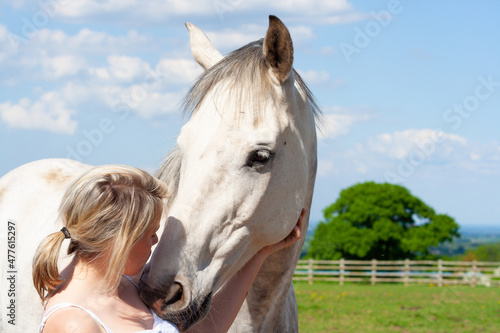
x=485 y=252
x=379 y=221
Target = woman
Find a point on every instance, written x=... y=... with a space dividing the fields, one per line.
x=111 y=215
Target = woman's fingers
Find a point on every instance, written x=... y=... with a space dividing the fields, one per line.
x=292 y=237
x=296 y=232
x=299 y=222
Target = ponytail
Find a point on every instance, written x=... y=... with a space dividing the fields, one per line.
x=45 y=271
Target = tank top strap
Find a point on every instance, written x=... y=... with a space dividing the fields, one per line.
x=59 y=306
x=130 y=279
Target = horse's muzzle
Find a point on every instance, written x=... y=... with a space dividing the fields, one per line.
x=170 y=304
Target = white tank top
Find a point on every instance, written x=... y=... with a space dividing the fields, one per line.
x=159 y=325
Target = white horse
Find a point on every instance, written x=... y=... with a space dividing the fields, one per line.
x=29 y=202
x=243 y=168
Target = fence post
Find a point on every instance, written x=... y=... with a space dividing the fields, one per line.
x=310 y=271
x=342 y=268
x=407 y=272
x=474 y=272
x=374 y=271
x=440 y=273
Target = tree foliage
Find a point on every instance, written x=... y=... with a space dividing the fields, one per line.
x=486 y=252
x=379 y=221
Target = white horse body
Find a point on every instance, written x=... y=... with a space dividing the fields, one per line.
x=243 y=170
x=30 y=196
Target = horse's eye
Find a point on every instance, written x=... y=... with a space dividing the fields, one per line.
x=259 y=158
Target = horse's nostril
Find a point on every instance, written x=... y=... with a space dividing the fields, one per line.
x=175 y=294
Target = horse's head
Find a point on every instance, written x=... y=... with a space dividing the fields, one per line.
x=243 y=169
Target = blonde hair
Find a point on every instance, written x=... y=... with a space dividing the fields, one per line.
x=106 y=211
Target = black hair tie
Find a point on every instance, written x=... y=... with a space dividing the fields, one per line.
x=65 y=231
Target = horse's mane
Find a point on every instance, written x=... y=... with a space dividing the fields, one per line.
x=244 y=72
x=169 y=173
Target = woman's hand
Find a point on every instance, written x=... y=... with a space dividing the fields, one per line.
x=288 y=241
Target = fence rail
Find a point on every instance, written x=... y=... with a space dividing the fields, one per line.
x=438 y=272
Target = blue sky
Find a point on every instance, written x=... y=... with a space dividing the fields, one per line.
x=410 y=89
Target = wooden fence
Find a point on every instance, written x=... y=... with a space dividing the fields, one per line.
x=438 y=272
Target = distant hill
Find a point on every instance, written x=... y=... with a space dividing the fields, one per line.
x=480 y=230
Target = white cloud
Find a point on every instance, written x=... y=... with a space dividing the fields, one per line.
x=77 y=92
x=53 y=54
x=155 y=11
x=327 y=50
x=322 y=79
x=146 y=91
x=125 y=82
x=300 y=34
x=132 y=84
x=306 y=7
x=315 y=77
x=343 y=19
x=91 y=80
x=411 y=154
x=482 y=158
x=7 y=44
x=178 y=71
x=306 y=11
x=17 y=3
x=62 y=65
x=325 y=167
x=475 y=156
x=338 y=121
x=148 y=95
x=399 y=145
x=156 y=103
x=91 y=42
x=123 y=69
x=229 y=39
x=85 y=41
x=94 y=78
x=49 y=112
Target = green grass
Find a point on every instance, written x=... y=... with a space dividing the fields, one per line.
x=328 y=307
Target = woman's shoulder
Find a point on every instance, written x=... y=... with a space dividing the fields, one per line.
x=71 y=319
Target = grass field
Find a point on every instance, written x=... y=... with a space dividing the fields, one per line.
x=328 y=307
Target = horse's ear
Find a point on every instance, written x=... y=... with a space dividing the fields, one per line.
x=278 y=48
x=203 y=50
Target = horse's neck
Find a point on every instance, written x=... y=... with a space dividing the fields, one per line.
x=269 y=306
x=277 y=271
